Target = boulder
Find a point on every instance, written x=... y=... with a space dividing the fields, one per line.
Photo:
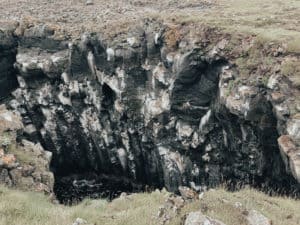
x=256 y=218
x=8 y=161
x=79 y=221
x=197 y=218
x=188 y=193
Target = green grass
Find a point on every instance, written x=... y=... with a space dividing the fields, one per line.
x=272 y=20
x=18 y=208
x=220 y=204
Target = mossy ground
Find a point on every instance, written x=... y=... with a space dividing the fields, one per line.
x=271 y=20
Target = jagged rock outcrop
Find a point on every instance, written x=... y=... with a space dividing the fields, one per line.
x=8 y=50
x=149 y=109
x=23 y=165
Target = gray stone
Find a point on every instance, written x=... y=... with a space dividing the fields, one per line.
x=80 y=221
x=291 y=155
x=197 y=218
x=89 y=2
x=293 y=129
x=256 y=218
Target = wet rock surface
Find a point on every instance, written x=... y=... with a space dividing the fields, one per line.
x=150 y=109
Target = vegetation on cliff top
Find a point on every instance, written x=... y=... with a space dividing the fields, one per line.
x=272 y=20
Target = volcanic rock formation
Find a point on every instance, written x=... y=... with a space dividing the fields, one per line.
x=146 y=110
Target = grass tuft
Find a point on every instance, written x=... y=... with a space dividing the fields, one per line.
x=18 y=208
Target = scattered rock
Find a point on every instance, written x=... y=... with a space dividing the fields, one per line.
x=201 y=195
x=8 y=161
x=89 y=2
x=175 y=203
x=161 y=212
x=238 y=205
x=256 y=218
x=197 y=218
x=125 y=196
x=187 y=193
x=170 y=209
x=80 y=221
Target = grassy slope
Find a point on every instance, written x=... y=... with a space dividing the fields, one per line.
x=18 y=208
x=273 y=20
x=220 y=204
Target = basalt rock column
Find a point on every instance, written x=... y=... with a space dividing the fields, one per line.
x=137 y=112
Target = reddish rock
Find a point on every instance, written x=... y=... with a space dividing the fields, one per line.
x=9 y=161
x=188 y=193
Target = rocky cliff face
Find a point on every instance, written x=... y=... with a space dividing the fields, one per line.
x=23 y=164
x=154 y=108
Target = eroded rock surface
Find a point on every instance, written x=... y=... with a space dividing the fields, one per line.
x=197 y=218
x=23 y=165
x=150 y=110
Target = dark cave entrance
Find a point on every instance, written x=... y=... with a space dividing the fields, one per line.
x=84 y=167
x=80 y=174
